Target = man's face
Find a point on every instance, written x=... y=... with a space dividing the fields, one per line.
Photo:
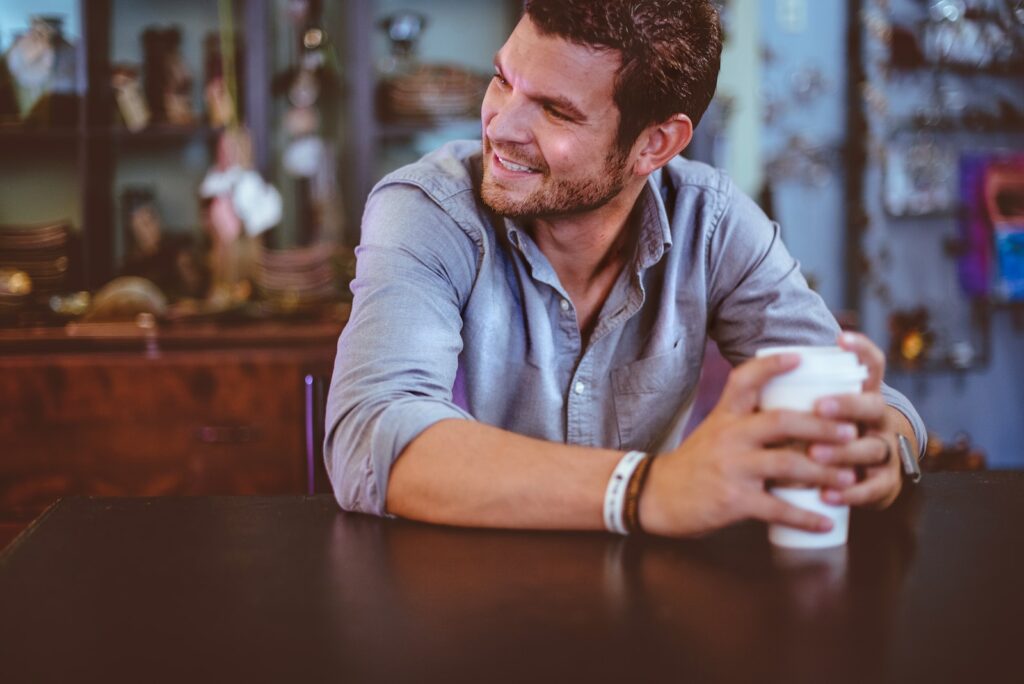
x=549 y=128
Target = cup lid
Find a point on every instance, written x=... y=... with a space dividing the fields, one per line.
x=818 y=364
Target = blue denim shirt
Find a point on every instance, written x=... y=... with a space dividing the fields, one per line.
x=458 y=314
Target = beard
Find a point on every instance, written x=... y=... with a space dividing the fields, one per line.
x=555 y=196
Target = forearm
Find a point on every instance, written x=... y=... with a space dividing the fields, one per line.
x=461 y=472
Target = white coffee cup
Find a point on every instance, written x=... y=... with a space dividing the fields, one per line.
x=823 y=372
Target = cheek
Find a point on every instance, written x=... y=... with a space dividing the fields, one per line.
x=566 y=153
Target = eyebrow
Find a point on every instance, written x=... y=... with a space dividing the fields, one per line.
x=558 y=101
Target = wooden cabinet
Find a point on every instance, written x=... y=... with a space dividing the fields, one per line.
x=132 y=413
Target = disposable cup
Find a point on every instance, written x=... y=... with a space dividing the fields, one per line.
x=810 y=499
x=823 y=372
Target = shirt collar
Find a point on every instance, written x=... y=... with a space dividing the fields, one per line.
x=654 y=236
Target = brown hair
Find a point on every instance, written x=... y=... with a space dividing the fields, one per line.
x=670 y=52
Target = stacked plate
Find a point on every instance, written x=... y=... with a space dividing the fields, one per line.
x=293 y=279
x=434 y=93
x=40 y=252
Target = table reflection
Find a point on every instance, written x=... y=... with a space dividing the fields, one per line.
x=727 y=604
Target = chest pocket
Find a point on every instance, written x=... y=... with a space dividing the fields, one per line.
x=650 y=394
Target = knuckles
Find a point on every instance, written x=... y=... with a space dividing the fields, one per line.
x=783 y=466
x=780 y=421
x=730 y=500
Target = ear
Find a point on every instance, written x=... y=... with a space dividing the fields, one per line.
x=661 y=142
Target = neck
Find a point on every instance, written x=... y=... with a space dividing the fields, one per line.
x=584 y=247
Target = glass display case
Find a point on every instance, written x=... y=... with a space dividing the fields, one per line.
x=113 y=114
x=122 y=119
x=416 y=73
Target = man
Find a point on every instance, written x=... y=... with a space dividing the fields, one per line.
x=527 y=310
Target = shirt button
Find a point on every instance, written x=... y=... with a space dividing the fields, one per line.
x=564 y=304
x=579 y=388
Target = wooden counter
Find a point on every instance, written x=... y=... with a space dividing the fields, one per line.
x=292 y=589
x=120 y=410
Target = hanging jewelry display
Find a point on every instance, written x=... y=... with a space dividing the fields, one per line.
x=941 y=88
x=920 y=176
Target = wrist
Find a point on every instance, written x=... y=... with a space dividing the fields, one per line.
x=622 y=494
x=899 y=424
x=652 y=514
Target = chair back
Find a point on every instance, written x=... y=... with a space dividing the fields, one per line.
x=317 y=481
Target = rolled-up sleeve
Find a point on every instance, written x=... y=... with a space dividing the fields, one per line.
x=398 y=354
x=758 y=297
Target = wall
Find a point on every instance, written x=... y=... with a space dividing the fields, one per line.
x=911 y=265
x=740 y=82
x=804 y=77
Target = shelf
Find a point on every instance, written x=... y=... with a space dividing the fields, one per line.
x=128 y=336
x=1015 y=306
x=397 y=130
x=935 y=367
x=162 y=135
x=944 y=215
x=15 y=132
x=1005 y=70
x=990 y=126
x=19 y=139
x=18 y=135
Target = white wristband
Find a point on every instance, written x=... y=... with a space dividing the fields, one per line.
x=615 y=495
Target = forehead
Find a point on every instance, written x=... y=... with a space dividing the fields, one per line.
x=545 y=65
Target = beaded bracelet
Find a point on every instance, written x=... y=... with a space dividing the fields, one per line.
x=631 y=510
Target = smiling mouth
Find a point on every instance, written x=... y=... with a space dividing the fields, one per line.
x=512 y=166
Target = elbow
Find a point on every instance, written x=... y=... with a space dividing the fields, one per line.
x=353 y=481
x=350 y=468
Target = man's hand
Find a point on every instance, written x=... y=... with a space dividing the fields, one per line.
x=875 y=453
x=717 y=476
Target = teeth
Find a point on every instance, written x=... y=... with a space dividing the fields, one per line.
x=514 y=167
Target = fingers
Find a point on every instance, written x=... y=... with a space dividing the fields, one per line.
x=870 y=450
x=773 y=510
x=788 y=465
x=869 y=354
x=867 y=408
x=743 y=389
x=773 y=427
x=879 y=489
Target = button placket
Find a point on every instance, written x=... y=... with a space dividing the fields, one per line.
x=581 y=403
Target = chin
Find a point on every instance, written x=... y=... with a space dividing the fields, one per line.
x=498 y=200
x=504 y=203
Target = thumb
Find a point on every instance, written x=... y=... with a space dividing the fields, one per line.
x=743 y=389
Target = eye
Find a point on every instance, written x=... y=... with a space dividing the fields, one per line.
x=555 y=113
x=500 y=80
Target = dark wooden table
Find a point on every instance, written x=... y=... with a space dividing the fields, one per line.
x=291 y=589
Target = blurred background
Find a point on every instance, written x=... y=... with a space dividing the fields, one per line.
x=181 y=185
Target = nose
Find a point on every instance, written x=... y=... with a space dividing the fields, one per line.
x=506 y=119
